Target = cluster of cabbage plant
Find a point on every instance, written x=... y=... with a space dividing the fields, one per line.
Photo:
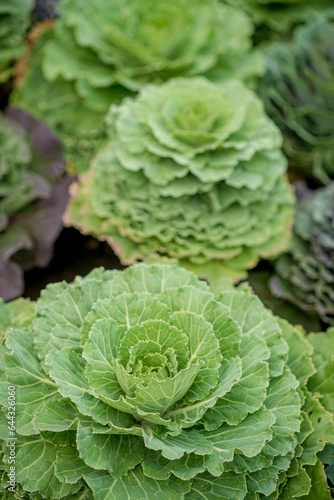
x=305 y=275
x=298 y=94
x=98 y=52
x=191 y=170
x=33 y=197
x=142 y=383
x=14 y=21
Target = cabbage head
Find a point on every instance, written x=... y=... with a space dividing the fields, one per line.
x=135 y=42
x=98 y=52
x=14 y=21
x=192 y=170
x=143 y=384
x=298 y=94
x=33 y=196
x=305 y=275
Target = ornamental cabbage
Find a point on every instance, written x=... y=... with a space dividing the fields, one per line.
x=143 y=384
x=305 y=275
x=192 y=170
x=14 y=21
x=98 y=52
x=33 y=196
x=298 y=95
x=57 y=103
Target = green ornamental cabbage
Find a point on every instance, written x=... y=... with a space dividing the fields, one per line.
x=281 y=15
x=192 y=170
x=305 y=275
x=143 y=384
x=98 y=52
x=14 y=21
x=33 y=197
x=298 y=95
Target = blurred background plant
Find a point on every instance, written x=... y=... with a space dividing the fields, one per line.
x=14 y=21
x=305 y=275
x=298 y=94
x=275 y=19
x=33 y=197
x=96 y=54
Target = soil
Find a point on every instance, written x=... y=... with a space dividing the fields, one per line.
x=74 y=254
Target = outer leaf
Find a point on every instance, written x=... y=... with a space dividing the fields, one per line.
x=117 y=454
x=322 y=382
x=69 y=466
x=284 y=402
x=248 y=437
x=319 y=488
x=61 y=319
x=33 y=386
x=56 y=416
x=35 y=462
x=249 y=312
x=135 y=485
x=229 y=485
x=300 y=351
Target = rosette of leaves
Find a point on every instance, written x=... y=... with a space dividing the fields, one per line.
x=193 y=171
x=33 y=196
x=305 y=275
x=297 y=91
x=280 y=16
x=14 y=21
x=142 y=383
x=95 y=54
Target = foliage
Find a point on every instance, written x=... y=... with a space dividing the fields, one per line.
x=79 y=127
x=143 y=383
x=298 y=95
x=305 y=275
x=259 y=280
x=97 y=53
x=201 y=155
x=14 y=21
x=33 y=196
x=322 y=384
x=281 y=15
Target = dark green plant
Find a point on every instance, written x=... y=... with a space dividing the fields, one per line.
x=281 y=15
x=298 y=94
x=305 y=275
